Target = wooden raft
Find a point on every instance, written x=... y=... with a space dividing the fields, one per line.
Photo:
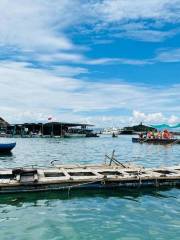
x=61 y=177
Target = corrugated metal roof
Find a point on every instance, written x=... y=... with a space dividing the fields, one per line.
x=58 y=123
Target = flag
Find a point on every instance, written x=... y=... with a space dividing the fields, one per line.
x=49 y=118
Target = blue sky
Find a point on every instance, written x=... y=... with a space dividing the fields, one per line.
x=105 y=62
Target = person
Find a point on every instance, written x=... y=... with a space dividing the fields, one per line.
x=166 y=134
x=113 y=135
x=149 y=134
x=159 y=135
x=154 y=134
x=141 y=135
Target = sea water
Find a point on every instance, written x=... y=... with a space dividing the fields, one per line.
x=126 y=215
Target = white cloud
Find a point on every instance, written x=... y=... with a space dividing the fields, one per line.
x=38 y=31
x=42 y=25
x=26 y=91
x=171 y=55
x=136 y=118
x=148 y=35
x=173 y=119
x=163 y=56
x=30 y=25
x=153 y=118
x=103 y=61
x=130 y=18
x=118 y=10
x=147 y=118
x=60 y=57
x=68 y=71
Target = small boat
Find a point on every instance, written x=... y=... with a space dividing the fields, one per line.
x=110 y=131
x=92 y=135
x=6 y=147
x=156 y=141
x=74 y=135
x=114 y=135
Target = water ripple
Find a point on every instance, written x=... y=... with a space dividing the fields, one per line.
x=125 y=215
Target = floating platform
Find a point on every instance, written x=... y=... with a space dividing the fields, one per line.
x=104 y=176
x=6 y=147
x=156 y=141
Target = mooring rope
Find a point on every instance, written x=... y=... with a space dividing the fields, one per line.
x=82 y=184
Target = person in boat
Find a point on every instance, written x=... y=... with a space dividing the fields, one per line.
x=159 y=135
x=141 y=135
x=166 y=134
x=149 y=134
x=114 y=135
x=154 y=135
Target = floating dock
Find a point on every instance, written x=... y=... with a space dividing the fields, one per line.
x=104 y=176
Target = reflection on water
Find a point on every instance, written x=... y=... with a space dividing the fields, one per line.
x=131 y=194
x=99 y=214
x=4 y=155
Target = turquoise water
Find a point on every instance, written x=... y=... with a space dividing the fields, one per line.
x=127 y=215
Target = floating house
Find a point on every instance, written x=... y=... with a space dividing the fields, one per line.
x=50 y=129
x=3 y=126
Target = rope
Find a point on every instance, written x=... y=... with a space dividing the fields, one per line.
x=69 y=188
x=156 y=182
x=139 y=175
x=81 y=184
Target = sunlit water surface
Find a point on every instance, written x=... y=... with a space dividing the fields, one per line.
x=127 y=215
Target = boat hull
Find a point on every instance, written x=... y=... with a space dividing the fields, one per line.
x=90 y=186
x=156 y=141
x=74 y=135
x=6 y=147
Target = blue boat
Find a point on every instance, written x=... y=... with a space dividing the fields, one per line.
x=6 y=147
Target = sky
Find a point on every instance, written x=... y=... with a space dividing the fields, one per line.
x=104 y=62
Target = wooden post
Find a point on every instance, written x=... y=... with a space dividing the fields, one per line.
x=112 y=157
x=13 y=131
x=42 y=130
x=52 y=133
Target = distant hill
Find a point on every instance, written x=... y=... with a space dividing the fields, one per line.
x=3 y=123
x=140 y=128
